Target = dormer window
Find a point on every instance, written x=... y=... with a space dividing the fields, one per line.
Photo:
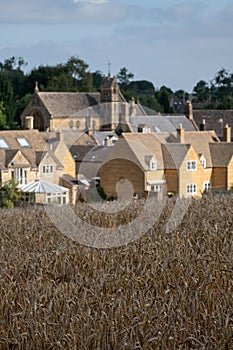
x=203 y=161
x=146 y=130
x=153 y=164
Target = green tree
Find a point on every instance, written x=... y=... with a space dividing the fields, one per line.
x=124 y=77
x=163 y=97
x=10 y=194
x=201 y=91
x=77 y=68
x=97 y=78
x=7 y=97
x=3 y=123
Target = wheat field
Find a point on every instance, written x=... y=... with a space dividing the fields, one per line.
x=163 y=291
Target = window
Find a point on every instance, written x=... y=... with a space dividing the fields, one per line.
x=56 y=198
x=23 y=142
x=156 y=188
x=20 y=175
x=47 y=169
x=192 y=189
x=191 y=165
x=203 y=161
x=153 y=165
x=77 y=124
x=146 y=130
x=71 y=124
x=206 y=186
x=3 y=144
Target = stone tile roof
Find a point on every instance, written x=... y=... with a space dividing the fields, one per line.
x=214 y=119
x=161 y=123
x=221 y=153
x=33 y=153
x=65 y=104
x=200 y=141
x=144 y=145
x=174 y=154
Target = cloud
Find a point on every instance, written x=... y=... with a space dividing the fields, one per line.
x=96 y=2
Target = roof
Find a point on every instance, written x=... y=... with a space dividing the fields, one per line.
x=100 y=136
x=214 y=119
x=200 y=141
x=174 y=154
x=221 y=153
x=144 y=145
x=34 y=139
x=38 y=186
x=161 y=123
x=65 y=104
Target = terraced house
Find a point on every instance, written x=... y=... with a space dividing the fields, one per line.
x=184 y=163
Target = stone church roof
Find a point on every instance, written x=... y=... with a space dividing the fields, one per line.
x=65 y=104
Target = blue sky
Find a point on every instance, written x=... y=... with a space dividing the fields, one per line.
x=172 y=43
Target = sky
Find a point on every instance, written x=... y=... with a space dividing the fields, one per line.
x=168 y=42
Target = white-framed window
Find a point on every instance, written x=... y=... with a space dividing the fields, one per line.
x=203 y=161
x=20 y=175
x=47 y=169
x=56 y=198
x=153 y=164
x=146 y=130
x=156 y=188
x=206 y=186
x=191 y=165
x=191 y=189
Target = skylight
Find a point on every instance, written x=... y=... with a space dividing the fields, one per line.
x=23 y=142
x=3 y=144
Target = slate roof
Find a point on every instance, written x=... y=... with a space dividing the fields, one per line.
x=214 y=119
x=161 y=123
x=221 y=153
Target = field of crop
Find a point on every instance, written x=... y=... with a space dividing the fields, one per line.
x=163 y=291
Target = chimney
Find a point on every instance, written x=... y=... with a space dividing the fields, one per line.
x=29 y=119
x=180 y=134
x=188 y=110
x=227 y=133
x=202 y=125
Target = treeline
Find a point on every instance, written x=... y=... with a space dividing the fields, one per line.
x=16 y=88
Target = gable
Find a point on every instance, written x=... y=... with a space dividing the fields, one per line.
x=16 y=159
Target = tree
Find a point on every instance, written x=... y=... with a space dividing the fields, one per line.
x=97 y=78
x=10 y=194
x=201 y=91
x=124 y=77
x=3 y=123
x=77 y=68
x=163 y=97
x=7 y=97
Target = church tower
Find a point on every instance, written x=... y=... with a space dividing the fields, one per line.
x=113 y=105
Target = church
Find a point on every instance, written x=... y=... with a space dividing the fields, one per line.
x=84 y=111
